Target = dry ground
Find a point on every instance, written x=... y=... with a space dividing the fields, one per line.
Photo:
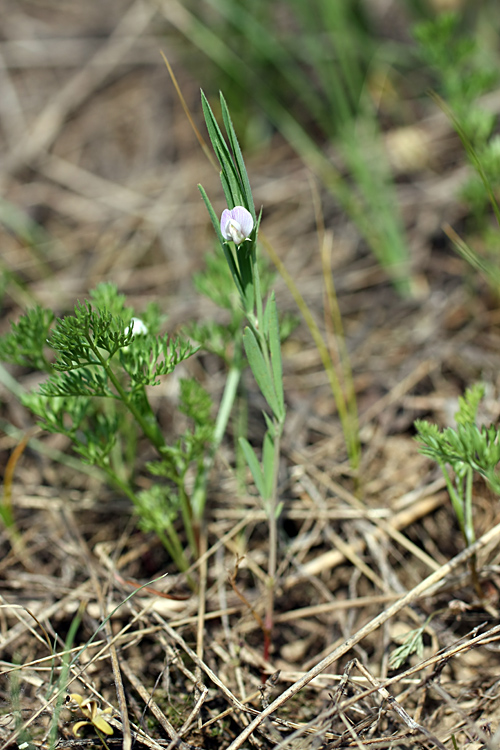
x=97 y=150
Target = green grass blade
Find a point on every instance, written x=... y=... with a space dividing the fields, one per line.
x=238 y=157
x=260 y=370
x=229 y=177
x=215 y=134
x=254 y=466
x=268 y=468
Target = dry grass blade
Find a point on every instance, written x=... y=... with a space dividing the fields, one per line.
x=152 y=706
x=386 y=615
x=412 y=725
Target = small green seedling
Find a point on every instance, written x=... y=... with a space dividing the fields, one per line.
x=461 y=452
x=413 y=644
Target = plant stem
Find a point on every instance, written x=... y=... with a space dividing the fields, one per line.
x=174 y=548
x=198 y=497
x=273 y=544
x=187 y=516
x=469 y=534
x=455 y=500
x=171 y=542
x=148 y=426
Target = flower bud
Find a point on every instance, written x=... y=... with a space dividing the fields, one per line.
x=137 y=327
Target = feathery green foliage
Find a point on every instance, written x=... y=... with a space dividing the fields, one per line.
x=464 y=449
x=95 y=394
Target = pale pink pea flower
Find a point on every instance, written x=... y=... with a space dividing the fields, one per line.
x=236 y=224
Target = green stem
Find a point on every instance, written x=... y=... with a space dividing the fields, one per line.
x=187 y=516
x=469 y=533
x=273 y=542
x=257 y=291
x=470 y=536
x=199 y=495
x=148 y=426
x=171 y=542
x=174 y=548
x=463 y=511
x=455 y=500
x=227 y=401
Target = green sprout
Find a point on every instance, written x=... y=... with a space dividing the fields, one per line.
x=413 y=644
x=461 y=452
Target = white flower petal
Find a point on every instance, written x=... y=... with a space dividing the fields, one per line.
x=224 y=221
x=236 y=225
x=244 y=219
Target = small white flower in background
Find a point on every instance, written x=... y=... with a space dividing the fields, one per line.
x=137 y=327
x=236 y=224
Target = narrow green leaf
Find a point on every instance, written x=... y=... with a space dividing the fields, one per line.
x=212 y=214
x=268 y=465
x=265 y=323
x=231 y=187
x=270 y=424
x=260 y=370
x=238 y=156
x=254 y=466
x=247 y=279
x=214 y=132
x=231 y=181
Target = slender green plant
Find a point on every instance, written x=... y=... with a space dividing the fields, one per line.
x=334 y=354
x=461 y=452
x=338 y=370
x=237 y=231
x=312 y=79
x=413 y=644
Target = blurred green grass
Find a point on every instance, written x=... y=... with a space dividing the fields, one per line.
x=316 y=73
